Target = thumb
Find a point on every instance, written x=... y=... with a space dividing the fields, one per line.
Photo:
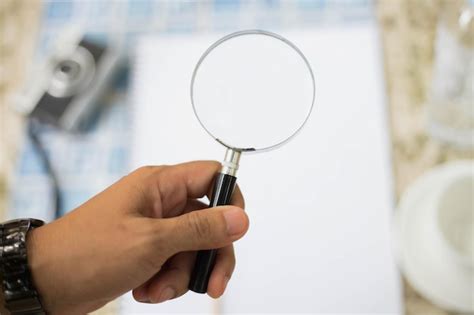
x=204 y=229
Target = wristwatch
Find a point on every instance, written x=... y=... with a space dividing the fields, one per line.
x=21 y=297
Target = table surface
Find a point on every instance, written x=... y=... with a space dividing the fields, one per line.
x=408 y=32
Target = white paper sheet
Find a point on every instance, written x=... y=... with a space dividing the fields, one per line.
x=319 y=207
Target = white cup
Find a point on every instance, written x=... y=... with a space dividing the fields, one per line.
x=434 y=237
x=455 y=219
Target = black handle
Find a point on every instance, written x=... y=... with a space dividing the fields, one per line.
x=222 y=193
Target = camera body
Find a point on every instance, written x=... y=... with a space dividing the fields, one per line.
x=66 y=90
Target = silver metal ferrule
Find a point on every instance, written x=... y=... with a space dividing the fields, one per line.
x=230 y=165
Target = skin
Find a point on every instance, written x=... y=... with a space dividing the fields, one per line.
x=140 y=234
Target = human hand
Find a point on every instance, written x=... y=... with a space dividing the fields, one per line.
x=140 y=234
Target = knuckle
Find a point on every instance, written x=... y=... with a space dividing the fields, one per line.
x=139 y=189
x=158 y=170
x=143 y=170
x=143 y=180
x=147 y=171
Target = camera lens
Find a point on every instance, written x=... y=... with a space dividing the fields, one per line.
x=72 y=74
x=67 y=70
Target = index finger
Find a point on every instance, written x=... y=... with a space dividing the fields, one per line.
x=198 y=182
x=171 y=186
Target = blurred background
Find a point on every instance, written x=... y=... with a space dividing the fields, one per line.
x=52 y=160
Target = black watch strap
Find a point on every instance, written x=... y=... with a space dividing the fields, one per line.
x=21 y=297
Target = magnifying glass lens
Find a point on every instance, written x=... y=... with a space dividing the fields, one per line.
x=253 y=91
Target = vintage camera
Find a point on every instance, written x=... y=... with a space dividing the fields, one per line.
x=66 y=89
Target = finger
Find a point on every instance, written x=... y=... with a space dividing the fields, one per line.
x=140 y=294
x=171 y=282
x=202 y=229
x=222 y=272
x=170 y=187
x=175 y=266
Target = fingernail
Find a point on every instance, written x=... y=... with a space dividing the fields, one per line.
x=142 y=297
x=167 y=294
x=234 y=218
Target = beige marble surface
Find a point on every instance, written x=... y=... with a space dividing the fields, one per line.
x=408 y=31
x=18 y=30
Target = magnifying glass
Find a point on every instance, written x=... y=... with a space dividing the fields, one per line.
x=252 y=91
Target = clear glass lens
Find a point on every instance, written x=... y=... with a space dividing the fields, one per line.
x=252 y=90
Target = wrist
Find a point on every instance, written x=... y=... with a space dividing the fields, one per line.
x=56 y=269
x=47 y=269
x=37 y=263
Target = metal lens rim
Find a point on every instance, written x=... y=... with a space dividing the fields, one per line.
x=243 y=33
